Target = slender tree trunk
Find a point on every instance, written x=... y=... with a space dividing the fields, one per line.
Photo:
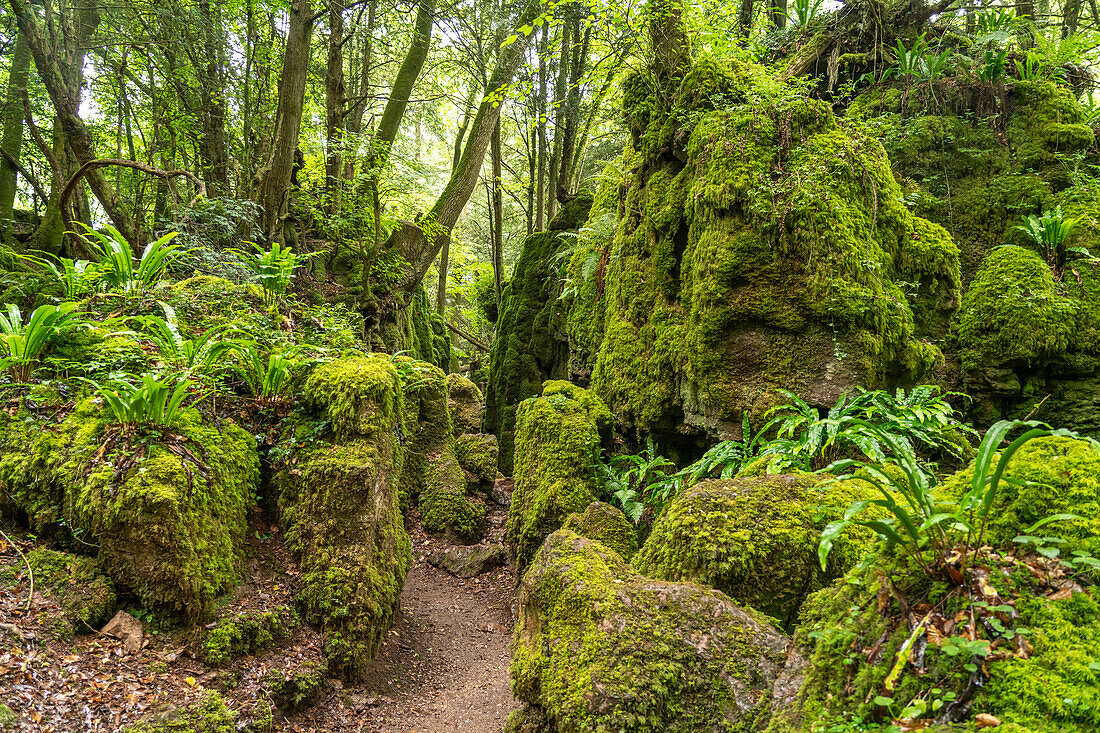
x=445 y=253
x=275 y=178
x=12 y=142
x=572 y=116
x=560 y=84
x=215 y=151
x=540 y=187
x=778 y=13
x=669 y=41
x=498 y=212
x=1071 y=13
x=335 y=103
x=353 y=123
x=532 y=141
x=419 y=244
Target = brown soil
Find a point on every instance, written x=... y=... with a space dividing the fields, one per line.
x=443 y=668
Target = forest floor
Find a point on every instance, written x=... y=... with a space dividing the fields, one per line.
x=443 y=666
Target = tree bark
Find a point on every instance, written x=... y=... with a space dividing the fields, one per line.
x=498 y=213
x=572 y=116
x=65 y=97
x=214 y=149
x=420 y=243
x=353 y=122
x=12 y=143
x=540 y=126
x=559 y=117
x=335 y=104
x=669 y=41
x=275 y=177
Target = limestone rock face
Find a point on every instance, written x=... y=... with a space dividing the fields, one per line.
x=756 y=539
x=469 y=561
x=339 y=503
x=599 y=647
x=466 y=404
x=605 y=524
x=557 y=443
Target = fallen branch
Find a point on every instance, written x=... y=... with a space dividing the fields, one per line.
x=468 y=337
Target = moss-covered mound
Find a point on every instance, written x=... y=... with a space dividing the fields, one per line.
x=764 y=246
x=86 y=596
x=296 y=689
x=211 y=715
x=755 y=539
x=338 y=493
x=166 y=508
x=433 y=472
x=530 y=346
x=477 y=455
x=557 y=444
x=600 y=648
x=465 y=402
x=605 y=524
x=247 y=633
x=1048 y=476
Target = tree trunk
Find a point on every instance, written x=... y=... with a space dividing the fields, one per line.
x=778 y=13
x=420 y=243
x=559 y=117
x=275 y=178
x=744 y=17
x=1071 y=13
x=572 y=116
x=215 y=152
x=540 y=124
x=498 y=213
x=335 y=103
x=353 y=123
x=12 y=142
x=669 y=41
x=65 y=96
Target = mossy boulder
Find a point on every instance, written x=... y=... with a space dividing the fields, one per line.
x=465 y=402
x=293 y=690
x=756 y=539
x=338 y=496
x=433 y=472
x=477 y=455
x=168 y=512
x=1052 y=475
x=531 y=345
x=211 y=715
x=247 y=633
x=85 y=594
x=764 y=246
x=100 y=349
x=605 y=524
x=557 y=445
x=598 y=647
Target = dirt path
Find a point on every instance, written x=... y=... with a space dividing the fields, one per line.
x=445 y=665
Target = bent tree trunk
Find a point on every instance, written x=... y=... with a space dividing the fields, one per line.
x=13 y=134
x=66 y=102
x=419 y=244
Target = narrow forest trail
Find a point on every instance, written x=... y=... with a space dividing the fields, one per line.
x=444 y=666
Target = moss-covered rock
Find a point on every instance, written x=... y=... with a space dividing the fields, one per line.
x=432 y=472
x=557 y=445
x=600 y=648
x=295 y=689
x=465 y=402
x=477 y=455
x=209 y=716
x=763 y=246
x=420 y=332
x=605 y=524
x=167 y=511
x=756 y=539
x=86 y=596
x=247 y=633
x=1050 y=476
x=338 y=494
x=530 y=346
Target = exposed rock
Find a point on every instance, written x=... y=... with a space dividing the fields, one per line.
x=339 y=503
x=756 y=539
x=466 y=404
x=127 y=628
x=468 y=561
x=557 y=444
x=432 y=471
x=607 y=525
x=501 y=491
x=477 y=455
x=599 y=647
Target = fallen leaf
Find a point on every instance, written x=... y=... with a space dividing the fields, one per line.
x=985 y=720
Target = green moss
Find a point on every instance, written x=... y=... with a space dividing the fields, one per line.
x=338 y=495
x=247 y=633
x=1058 y=476
x=1049 y=121
x=86 y=596
x=557 y=444
x=421 y=332
x=465 y=402
x=607 y=525
x=477 y=455
x=297 y=689
x=8 y=718
x=209 y=716
x=100 y=349
x=530 y=345
x=755 y=539
x=599 y=648
x=768 y=251
x=1014 y=313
